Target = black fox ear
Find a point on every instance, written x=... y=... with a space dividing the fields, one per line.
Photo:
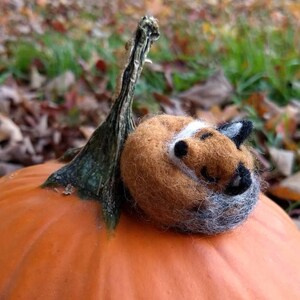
x=237 y=131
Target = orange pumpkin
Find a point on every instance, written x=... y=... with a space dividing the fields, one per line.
x=56 y=247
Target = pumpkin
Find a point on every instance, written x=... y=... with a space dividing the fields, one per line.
x=55 y=246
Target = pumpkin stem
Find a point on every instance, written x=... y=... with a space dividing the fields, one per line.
x=95 y=171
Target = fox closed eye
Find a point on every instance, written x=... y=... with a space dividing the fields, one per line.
x=207 y=177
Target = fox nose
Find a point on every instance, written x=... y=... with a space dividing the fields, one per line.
x=240 y=181
x=180 y=149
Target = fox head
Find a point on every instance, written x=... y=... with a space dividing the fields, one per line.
x=214 y=156
x=190 y=175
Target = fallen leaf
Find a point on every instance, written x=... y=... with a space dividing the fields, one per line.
x=168 y=68
x=87 y=131
x=263 y=106
x=58 y=26
x=284 y=123
x=18 y=152
x=163 y=99
x=265 y=165
x=6 y=168
x=157 y=8
x=284 y=193
x=41 y=129
x=279 y=18
x=41 y=2
x=283 y=160
x=171 y=106
x=216 y=115
x=101 y=65
x=288 y=188
x=28 y=146
x=9 y=93
x=207 y=116
x=9 y=131
x=297 y=135
x=294 y=9
x=216 y=90
x=292 y=182
x=36 y=79
x=59 y=85
x=23 y=29
x=229 y=113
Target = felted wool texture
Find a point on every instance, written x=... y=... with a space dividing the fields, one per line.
x=218 y=154
x=169 y=195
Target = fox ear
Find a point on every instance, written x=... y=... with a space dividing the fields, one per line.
x=237 y=131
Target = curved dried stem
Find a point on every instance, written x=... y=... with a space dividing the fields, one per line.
x=95 y=172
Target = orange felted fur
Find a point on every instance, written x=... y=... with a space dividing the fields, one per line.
x=189 y=175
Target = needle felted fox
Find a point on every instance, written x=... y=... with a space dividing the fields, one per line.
x=190 y=175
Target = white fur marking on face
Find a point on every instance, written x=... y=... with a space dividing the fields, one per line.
x=186 y=132
x=232 y=130
x=189 y=130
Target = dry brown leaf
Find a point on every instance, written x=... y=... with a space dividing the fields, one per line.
x=18 y=152
x=207 y=116
x=59 y=85
x=229 y=113
x=264 y=164
x=168 y=69
x=6 y=168
x=101 y=65
x=171 y=106
x=284 y=193
x=9 y=131
x=288 y=188
x=283 y=160
x=279 y=18
x=157 y=8
x=87 y=131
x=217 y=115
x=163 y=99
x=36 y=79
x=294 y=9
x=176 y=108
x=216 y=90
x=9 y=93
x=41 y=2
x=289 y=144
x=292 y=182
x=263 y=106
x=284 y=125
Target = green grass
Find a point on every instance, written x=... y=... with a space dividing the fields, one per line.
x=253 y=60
x=53 y=51
x=261 y=58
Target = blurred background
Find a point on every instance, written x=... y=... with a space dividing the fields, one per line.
x=216 y=60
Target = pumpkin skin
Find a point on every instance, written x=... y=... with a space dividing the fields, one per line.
x=56 y=247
